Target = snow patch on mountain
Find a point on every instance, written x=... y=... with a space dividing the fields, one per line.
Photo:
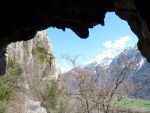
x=111 y=50
x=106 y=57
x=141 y=62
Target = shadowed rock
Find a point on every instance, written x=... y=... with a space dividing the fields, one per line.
x=21 y=21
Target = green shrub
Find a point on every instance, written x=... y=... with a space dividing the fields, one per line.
x=6 y=95
x=54 y=101
x=41 y=52
x=5 y=90
x=51 y=96
x=14 y=69
x=8 y=83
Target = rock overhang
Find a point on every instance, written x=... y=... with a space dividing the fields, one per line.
x=20 y=21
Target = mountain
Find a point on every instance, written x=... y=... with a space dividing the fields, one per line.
x=30 y=67
x=129 y=62
x=138 y=72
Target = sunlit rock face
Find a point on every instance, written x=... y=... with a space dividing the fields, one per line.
x=35 y=56
x=21 y=21
x=34 y=107
x=34 y=66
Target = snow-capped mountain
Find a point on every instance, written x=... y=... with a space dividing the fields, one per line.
x=137 y=70
x=105 y=59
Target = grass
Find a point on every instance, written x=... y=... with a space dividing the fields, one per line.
x=134 y=103
x=6 y=95
x=14 y=68
x=41 y=52
x=51 y=96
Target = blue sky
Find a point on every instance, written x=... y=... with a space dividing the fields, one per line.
x=102 y=40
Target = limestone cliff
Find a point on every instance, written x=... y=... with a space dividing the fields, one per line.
x=34 y=65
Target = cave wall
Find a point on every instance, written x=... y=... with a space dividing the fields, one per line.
x=21 y=21
x=133 y=12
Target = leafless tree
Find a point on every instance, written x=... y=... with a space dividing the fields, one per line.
x=95 y=96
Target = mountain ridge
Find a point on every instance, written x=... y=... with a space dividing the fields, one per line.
x=139 y=71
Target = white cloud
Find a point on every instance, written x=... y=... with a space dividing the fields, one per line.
x=112 y=48
x=122 y=42
x=107 y=44
x=117 y=44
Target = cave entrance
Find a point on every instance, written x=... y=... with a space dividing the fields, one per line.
x=112 y=37
x=110 y=55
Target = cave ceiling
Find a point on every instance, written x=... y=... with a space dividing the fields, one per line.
x=20 y=21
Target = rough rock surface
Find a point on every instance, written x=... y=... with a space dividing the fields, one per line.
x=135 y=15
x=3 y=59
x=34 y=107
x=21 y=21
x=37 y=69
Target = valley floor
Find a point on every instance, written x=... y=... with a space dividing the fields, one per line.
x=135 y=105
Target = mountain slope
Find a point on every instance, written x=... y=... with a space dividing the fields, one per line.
x=138 y=73
x=129 y=62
